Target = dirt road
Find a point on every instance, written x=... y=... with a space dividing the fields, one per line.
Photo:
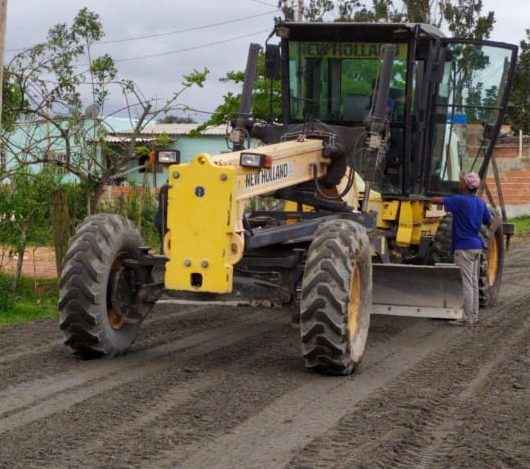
x=221 y=387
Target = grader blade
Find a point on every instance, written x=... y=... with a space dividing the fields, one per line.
x=418 y=291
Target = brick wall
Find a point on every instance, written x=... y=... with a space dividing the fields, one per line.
x=38 y=262
x=515 y=175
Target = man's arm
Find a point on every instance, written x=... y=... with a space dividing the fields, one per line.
x=486 y=216
x=447 y=202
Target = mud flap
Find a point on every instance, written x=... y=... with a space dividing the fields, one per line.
x=418 y=291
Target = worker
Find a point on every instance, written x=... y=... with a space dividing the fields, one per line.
x=469 y=214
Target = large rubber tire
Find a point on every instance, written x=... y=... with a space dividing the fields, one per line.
x=87 y=317
x=491 y=263
x=336 y=300
x=442 y=244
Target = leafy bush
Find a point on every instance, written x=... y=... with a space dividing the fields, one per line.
x=140 y=206
x=34 y=299
x=6 y=295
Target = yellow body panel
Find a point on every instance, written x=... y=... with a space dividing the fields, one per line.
x=201 y=239
x=390 y=210
x=406 y=224
x=418 y=209
x=206 y=202
x=387 y=212
x=415 y=221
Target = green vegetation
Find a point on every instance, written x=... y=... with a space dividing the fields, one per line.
x=522 y=225
x=140 y=206
x=34 y=299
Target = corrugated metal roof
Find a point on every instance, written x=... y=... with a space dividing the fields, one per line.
x=111 y=138
x=183 y=129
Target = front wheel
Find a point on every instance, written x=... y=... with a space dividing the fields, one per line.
x=336 y=300
x=100 y=309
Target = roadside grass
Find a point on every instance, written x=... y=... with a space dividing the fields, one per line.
x=522 y=225
x=34 y=299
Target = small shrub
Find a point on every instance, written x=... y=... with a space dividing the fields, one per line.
x=140 y=206
x=6 y=294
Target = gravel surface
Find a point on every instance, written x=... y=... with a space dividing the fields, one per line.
x=224 y=387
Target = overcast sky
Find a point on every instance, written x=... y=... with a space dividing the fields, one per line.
x=29 y=20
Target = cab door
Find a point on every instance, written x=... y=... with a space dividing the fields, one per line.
x=469 y=109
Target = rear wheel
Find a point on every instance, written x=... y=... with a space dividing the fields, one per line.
x=336 y=300
x=98 y=304
x=442 y=244
x=491 y=264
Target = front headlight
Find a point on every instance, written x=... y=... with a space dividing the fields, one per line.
x=168 y=156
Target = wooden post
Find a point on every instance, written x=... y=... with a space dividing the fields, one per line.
x=3 y=21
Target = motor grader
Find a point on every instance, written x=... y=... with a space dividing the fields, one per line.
x=331 y=213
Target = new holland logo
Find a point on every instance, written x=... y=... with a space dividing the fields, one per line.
x=268 y=176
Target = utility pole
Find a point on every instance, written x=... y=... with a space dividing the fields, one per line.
x=3 y=21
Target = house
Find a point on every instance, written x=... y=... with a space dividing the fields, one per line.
x=212 y=141
x=39 y=141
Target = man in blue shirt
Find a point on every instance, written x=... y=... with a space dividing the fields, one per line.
x=469 y=214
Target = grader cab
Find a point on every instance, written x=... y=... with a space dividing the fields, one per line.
x=331 y=215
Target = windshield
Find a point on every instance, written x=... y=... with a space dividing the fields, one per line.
x=467 y=110
x=334 y=81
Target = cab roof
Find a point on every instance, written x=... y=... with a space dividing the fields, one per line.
x=362 y=32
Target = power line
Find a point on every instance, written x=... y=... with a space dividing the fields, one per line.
x=188 y=49
x=187 y=30
x=174 y=32
x=170 y=52
x=260 y=2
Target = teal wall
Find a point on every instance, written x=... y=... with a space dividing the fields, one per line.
x=40 y=138
x=189 y=147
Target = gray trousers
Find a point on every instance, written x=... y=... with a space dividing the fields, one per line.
x=469 y=263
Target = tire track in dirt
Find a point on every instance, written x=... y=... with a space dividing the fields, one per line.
x=398 y=427
x=246 y=390
x=265 y=368
x=82 y=427
x=56 y=341
x=158 y=332
x=24 y=404
x=170 y=415
x=268 y=438
x=143 y=434
x=492 y=430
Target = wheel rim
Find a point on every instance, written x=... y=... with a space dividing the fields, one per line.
x=355 y=302
x=493 y=260
x=115 y=315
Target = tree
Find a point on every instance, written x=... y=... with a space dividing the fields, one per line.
x=12 y=101
x=464 y=19
x=262 y=109
x=519 y=109
x=62 y=115
x=25 y=211
x=173 y=119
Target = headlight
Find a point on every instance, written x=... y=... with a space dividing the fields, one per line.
x=255 y=160
x=169 y=156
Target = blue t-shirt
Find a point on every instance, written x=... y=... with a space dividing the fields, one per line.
x=469 y=214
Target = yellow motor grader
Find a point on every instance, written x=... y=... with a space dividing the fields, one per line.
x=377 y=118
